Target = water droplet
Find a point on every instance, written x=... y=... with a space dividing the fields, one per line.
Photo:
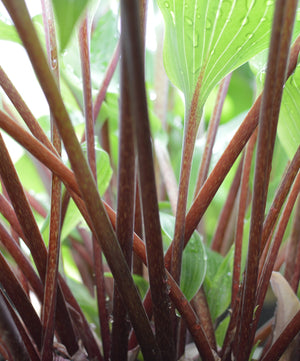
x=245 y=21
x=186 y=5
x=54 y=63
x=53 y=57
x=196 y=41
x=249 y=36
x=167 y=5
x=188 y=20
x=208 y=24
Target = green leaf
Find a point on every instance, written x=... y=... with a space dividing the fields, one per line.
x=193 y=260
x=29 y=175
x=87 y=303
x=289 y=124
x=140 y=282
x=67 y=13
x=104 y=173
x=9 y=32
x=103 y=42
x=217 y=283
x=207 y=39
x=73 y=216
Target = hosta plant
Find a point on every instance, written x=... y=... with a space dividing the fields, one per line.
x=146 y=211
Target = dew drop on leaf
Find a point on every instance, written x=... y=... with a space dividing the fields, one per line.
x=245 y=21
x=167 y=5
x=188 y=20
x=54 y=63
x=196 y=41
x=249 y=36
x=208 y=24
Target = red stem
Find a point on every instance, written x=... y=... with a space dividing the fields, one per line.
x=125 y=211
x=244 y=192
x=133 y=55
x=276 y=70
x=227 y=211
x=51 y=283
x=282 y=342
x=212 y=132
x=91 y=155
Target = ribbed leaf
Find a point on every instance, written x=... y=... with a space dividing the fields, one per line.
x=289 y=124
x=9 y=32
x=67 y=13
x=194 y=259
x=206 y=39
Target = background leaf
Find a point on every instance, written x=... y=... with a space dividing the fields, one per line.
x=289 y=124
x=217 y=283
x=67 y=13
x=193 y=260
x=9 y=32
x=210 y=38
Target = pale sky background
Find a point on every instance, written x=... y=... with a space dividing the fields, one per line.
x=15 y=63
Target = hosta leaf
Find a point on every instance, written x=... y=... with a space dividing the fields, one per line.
x=73 y=215
x=206 y=39
x=217 y=284
x=287 y=303
x=104 y=173
x=67 y=13
x=193 y=260
x=289 y=124
x=9 y=32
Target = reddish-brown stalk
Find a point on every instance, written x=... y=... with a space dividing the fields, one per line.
x=133 y=53
x=102 y=226
x=292 y=254
x=269 y=112
x=11 y=340
x=274 y=248
x=227 y=209
x=243 y=200
x=84 y=36
x=282 y=342
x=125 y=208
x=21 y=302
x=51 y=283
x=212 y=132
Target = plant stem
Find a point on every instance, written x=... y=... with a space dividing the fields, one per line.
x=133 y=53
x=107 y=78
x=32 y=234
x=102 y=226
x=23 y=110
x=243 y=199
x=226 y=212
x=293 y=246
x=282 y=342
x=212 y=132
x=91 y=156
x=21 y=302
x=280 y=197
x=237 y=143
x=50 y=293
x=273 y=252
x=276 y=71
x=125 y=211
x=25 y=266
x=10 y=336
